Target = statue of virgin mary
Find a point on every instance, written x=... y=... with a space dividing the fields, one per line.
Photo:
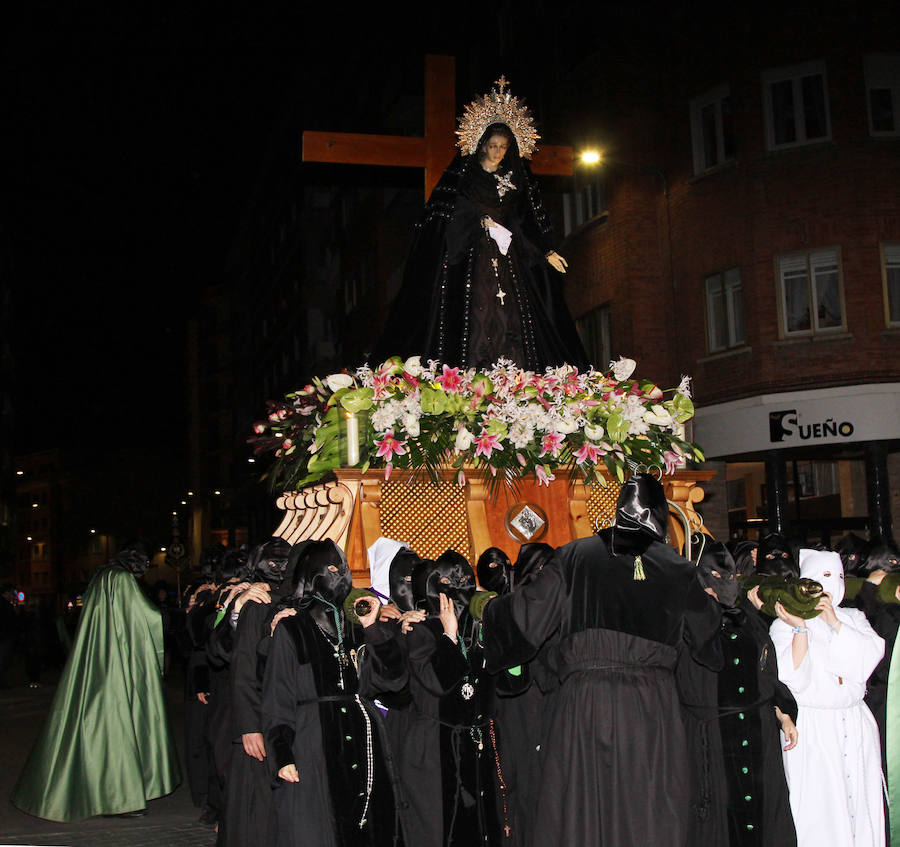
x=483 y=278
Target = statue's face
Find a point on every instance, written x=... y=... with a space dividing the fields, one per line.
x=494 y=150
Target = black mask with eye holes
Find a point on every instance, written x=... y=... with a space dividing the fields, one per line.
x=882 y=556
x=854 y=552
x=493 y=571
x=532 y=558
x=400 y=582
x=269 y=561
x=716 y=570
x=742 y=553
x=452 y=575
x=774 y=557
x=315 y=577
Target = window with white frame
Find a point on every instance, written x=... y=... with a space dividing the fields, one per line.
x=795 y=100
x=810 y=292
x=883 y=93
x=890 y=270
x=595 y=336
x=712 y=129
x=724 y=310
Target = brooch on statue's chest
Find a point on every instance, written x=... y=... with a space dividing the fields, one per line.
x=504 y=184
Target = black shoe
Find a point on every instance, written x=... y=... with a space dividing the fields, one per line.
x=209 y=816
x=137 y=813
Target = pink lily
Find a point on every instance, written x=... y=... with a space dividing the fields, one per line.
x=387 y=471
x=486 y=443
x=450 y=380
x=389 y=447
x=540 y=471
x=671 y=460
x=552 y=444
x=589 y=453
x=380 y=382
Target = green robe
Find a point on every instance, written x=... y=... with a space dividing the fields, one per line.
x=106 y=747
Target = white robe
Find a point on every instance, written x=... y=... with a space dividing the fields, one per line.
x=834 y=773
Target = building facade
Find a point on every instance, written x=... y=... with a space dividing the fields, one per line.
x=752 y=240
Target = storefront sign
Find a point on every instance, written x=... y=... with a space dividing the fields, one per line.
x=799 y=419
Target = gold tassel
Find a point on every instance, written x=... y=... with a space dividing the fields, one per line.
x=639 y=568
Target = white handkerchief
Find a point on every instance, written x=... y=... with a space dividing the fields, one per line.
x=501 y=235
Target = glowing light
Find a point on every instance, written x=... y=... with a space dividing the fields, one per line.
x=34 y=505
x=251 y=460
x=20 y=473
x=93 y=532
x=184 y=502
x=217 y=492
x=190 y=493
x=29 y=538
x=590 y=157
x=175 y=513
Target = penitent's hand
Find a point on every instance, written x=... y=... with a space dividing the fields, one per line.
x=753 y=597
x=203 y=697
x=254 y=745
x=390 y=612
x=289 y=773
x=407 y=619
x=788 y=728
x=372 y=616
x=448 y=616
x=557 y=262
x=284 y=613
x=787 y=617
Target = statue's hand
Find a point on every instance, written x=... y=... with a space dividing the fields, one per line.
x=557 y=262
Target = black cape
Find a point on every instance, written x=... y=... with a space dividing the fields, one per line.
x=729 y=687
x=612 y=760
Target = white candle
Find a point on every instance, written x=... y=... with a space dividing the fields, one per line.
x=352 y=440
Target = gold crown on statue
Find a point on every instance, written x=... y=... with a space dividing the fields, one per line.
x=498 y=107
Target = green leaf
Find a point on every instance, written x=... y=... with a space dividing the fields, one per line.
x=358 y=400
x=497 y=427
x=434 y=401
x=682 y=408
x=617 y=427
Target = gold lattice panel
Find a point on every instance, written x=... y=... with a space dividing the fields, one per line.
x=601 y=504
x=430 y=518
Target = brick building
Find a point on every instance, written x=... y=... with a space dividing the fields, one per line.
x=752 y=239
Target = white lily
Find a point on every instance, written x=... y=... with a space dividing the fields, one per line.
x=338 y=381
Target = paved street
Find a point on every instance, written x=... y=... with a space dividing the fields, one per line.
x=170 y=821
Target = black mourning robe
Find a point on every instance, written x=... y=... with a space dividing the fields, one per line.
x=613 y=754
x=335 y=737
x=729 y=687
x=219 y=649
x=249 y=819
x=203 y=783
x=446 y=758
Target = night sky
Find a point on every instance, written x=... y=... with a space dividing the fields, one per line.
x=133 y=136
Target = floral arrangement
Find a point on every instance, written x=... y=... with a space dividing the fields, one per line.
x=504 y=421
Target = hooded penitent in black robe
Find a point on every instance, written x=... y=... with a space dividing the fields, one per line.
x=202 y=780
x=249 y=819
x=519 y=703
x=335 y=738
x=612 y=758
x=446 y=757
x=448 y=308
x=315 y=719
x=729 y=687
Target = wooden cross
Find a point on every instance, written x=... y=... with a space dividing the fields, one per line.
x=433 y=152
